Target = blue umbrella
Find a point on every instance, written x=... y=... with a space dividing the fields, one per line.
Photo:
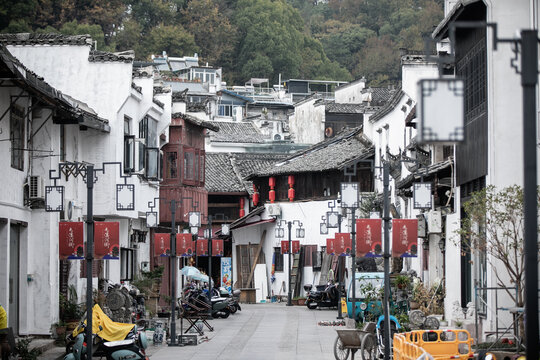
x=190 y=271
x=200 y=277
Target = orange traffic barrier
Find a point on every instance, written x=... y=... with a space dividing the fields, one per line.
x=433 y=344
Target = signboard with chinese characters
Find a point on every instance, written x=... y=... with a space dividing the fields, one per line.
x=404 y=237
x=295 y=246
x=184 y=245
x=217 y=247
x=343 y=244
x=71 y=237
x=226 y=273
x=330 y=247
x=202 y=247
x=162 y=244
x=369 y=237
x=284 y=247
x=106 y=240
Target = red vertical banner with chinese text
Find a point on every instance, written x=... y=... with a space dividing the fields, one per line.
x=107 y=240
x=343 y=244
x=71 y=240
x=404 y=237
x=202 y=247
x=330 y=248
x=295 y=246
x=369 y=237
x=162 y=244
x=284 y=247
x=184 y=245
x=217 y=247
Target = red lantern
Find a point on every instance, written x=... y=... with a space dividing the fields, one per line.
x=291 y=180
x=272 y=196
x=242 y=212
x=255 y=198
x=291 y=194
x=272 y=182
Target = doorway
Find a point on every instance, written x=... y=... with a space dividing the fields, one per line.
x=14 y=264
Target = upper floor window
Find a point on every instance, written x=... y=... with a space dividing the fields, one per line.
x=142 y=155
x=16 y=134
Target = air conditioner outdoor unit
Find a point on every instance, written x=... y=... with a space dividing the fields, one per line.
x=36 y=189
x=273 y=210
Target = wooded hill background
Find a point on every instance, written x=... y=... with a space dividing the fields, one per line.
x=340 y=40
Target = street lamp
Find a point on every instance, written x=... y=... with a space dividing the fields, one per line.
x=125 y=201
x=300 y=233
x=151 y=219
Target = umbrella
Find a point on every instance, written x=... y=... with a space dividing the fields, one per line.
x=200 y=277
x=190 y=271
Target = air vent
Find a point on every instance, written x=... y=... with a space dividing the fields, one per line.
x=35 y=187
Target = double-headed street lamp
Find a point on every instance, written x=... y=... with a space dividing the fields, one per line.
x=280 y=234
x=152 y=221
x=54 y=202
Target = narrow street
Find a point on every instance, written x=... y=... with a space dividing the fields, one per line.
x=262 y=331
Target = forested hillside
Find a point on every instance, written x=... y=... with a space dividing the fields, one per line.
x=338 y=40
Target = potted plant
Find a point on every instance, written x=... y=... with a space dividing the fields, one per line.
x=301 y=300
x=402 y=281
x=70 y=310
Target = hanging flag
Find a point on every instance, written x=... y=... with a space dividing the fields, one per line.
x=330 y=247
x=184 y=245
x=202 y=247
x=404 y=237
x=71 y=240
x=369 y=238
x=284 y=246
x=343 y=244
x=296 y=246
x=162 y=244
x=217 y=247
x=106 y=240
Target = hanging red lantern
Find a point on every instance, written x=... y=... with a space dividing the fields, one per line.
x=291 y=194
x=272 y=196
x=271 y=182
x=242 y=212
x=291 y=180
x=255 y=195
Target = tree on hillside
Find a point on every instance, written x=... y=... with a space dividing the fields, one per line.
x=494 y=227
x=316 y=65
x=16 y=13
x=213 y=33
x=271 y=29
x=378 y=62
x=173 y=39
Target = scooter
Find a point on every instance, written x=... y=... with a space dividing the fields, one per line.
x=111 y=340
x=196 y=297
x=233 y=298
x=322 y=296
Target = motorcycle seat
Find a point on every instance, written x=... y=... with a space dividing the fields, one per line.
x=119 y=343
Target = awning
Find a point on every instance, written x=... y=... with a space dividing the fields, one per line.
x=425 y=173
x=256 y=223
x=251 y=219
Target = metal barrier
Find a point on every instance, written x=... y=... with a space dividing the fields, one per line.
x=433 y=344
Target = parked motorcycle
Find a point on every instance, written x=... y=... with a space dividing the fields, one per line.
x=234 y=304
x=196 y=298
x=111 y=340
x=322 y=296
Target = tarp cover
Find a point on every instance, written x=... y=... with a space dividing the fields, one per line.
x=111 y=331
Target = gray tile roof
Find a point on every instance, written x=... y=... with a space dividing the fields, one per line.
x=192 y=119
x=390 y=105
x=381 y=95
x=237 y=132
x=333 y=154
x=45 y=39
x=104 y=56
x=332 y=107
x=225 y=172
x=424 y=172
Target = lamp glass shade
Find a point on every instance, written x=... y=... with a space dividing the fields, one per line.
x=151 y=219
x=194 y=219
x=349 y=195
x=194 y=230
x=280 y=233
x=300 y=233
x=225 y=229
x=324 y=229
x=332 y=219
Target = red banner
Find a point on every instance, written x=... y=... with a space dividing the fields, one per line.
x=71 y=240
x=284 y=247
x=184 y=245
x=404 y=237
x=202 y=247
x=162 y=244
x=330 y=247
x=295 y=246
x=217 y=247
x=343 y=244
x=106 y=240
x=369 y=237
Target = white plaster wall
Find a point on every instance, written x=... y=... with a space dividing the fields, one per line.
x=306 y=126
x=412 y=72
x=351 y=94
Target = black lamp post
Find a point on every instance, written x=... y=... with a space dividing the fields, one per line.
x=54 y=202
x=151 y=221
x=300 y=233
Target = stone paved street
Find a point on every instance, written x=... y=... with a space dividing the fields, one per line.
x=263 y=331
